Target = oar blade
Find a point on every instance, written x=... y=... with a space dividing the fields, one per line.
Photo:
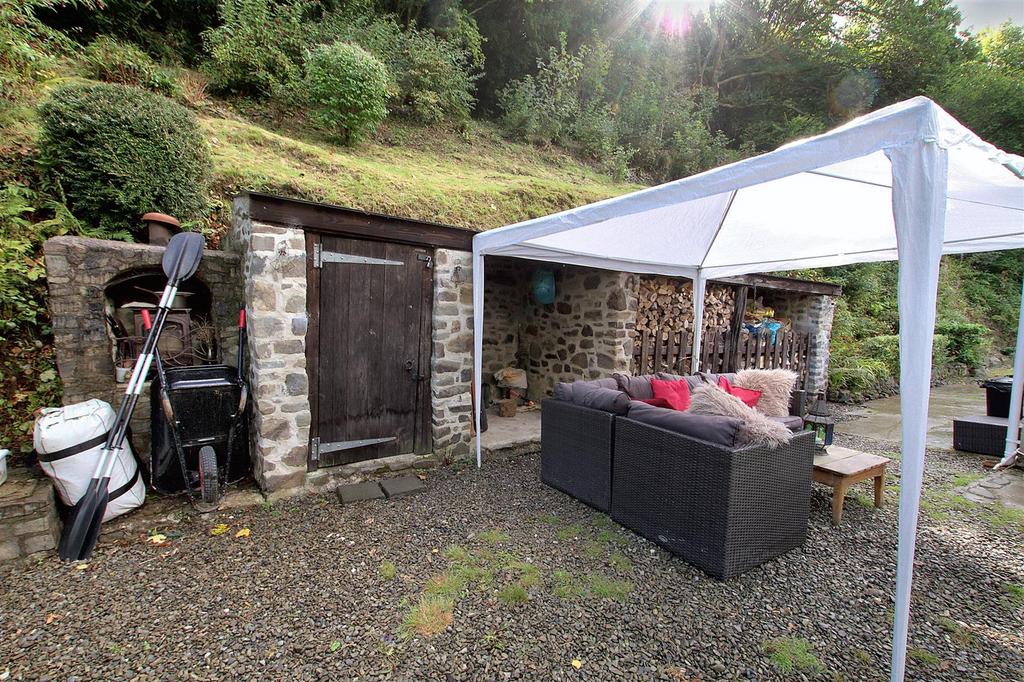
x=79 y=523
x=183 y=254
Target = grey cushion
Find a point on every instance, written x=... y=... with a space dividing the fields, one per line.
x=713 y=429
x=692 y=379
x=712 y=378
x=587 y=395
x=563 y=390
x=794 y=424
x=636 y=387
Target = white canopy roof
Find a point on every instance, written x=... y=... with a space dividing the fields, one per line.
x=906 y=182
x=818 y=202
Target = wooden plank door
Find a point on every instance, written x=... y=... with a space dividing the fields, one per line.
x=369 y=355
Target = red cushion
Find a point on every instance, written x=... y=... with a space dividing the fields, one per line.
x=658 y=402
x=676 y=393
x=747 y=395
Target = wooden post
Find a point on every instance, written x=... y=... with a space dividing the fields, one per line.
x=736 y=328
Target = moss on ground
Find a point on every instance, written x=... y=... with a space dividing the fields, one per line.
x=791 y=654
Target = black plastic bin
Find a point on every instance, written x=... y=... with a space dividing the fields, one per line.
x=205 y=400
x=997 y=396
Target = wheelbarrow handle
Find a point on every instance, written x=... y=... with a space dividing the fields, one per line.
x=165 y=401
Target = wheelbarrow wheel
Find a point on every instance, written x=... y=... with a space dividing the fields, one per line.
x=209 y=481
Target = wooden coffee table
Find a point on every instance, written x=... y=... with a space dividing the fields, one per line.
x=839 y=468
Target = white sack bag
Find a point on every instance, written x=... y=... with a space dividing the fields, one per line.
x=68 y=441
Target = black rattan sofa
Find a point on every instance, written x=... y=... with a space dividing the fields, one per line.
x=722 y=509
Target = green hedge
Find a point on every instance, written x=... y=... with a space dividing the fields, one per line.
x=117 y=152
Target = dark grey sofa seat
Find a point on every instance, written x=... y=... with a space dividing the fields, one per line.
x=723 y=510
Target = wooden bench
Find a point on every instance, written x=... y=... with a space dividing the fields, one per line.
x=839 y=468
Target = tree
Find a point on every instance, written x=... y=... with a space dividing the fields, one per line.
x=909 y=45
x=987 y=94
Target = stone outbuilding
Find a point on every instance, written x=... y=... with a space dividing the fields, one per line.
x=360 y=331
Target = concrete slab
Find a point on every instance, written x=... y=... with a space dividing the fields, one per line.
x=357 y=492
x=881 y=418
x=518 y=433
x=402 y=485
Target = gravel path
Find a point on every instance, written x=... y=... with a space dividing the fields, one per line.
x=303 y=597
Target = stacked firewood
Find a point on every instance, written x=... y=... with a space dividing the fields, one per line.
x=667 y=304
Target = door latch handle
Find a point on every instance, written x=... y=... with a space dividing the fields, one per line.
x=408 y=365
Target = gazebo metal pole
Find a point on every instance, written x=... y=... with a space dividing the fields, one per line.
x=698 y=319
x=919 y=177
x=478 y=343
x=1016 y=394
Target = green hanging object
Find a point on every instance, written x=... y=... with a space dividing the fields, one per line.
x=543 y=285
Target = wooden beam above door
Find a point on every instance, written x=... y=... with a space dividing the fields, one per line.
x=349 y=222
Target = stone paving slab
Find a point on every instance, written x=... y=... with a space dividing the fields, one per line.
x=402 y=485
x=1006 y=487
x=357 y=492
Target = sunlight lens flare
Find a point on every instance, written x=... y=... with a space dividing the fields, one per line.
x=675 y=17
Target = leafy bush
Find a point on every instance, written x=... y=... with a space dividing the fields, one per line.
x=433 y=77
x=110 y=60
x=348 y=88
x=547 y=106
x=22 y=233
x=27 y=45
x=117 y=152
x=964 y=341
x=258 y=46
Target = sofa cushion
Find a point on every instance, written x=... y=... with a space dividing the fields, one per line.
x=794 y=424
x=717 y=430
x=776 y=387
x=657 y=402
x=757 y=429
x=691 y=379
x=636 y=387
x=677 y=393
x=563 y=390
x=586 y=394
x=749 y=396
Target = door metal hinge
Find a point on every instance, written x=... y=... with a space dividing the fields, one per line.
x=316 y=448
x=320 y=257
x=429 y=260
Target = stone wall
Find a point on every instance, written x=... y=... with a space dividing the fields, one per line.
x=451 y=363
x=28 y=516
x=587 y=333
x=274 y=268
x=77 y=272
x=506 y=294
x=811 y=313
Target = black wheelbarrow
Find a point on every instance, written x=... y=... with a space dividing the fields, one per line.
x=200 y=430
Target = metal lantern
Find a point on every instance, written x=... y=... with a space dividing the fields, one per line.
x=543 y=285
x=821 y=423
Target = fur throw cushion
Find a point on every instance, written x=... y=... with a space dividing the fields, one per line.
x=775 y=385
x=757 y=429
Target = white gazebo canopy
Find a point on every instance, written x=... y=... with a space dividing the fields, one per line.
x=907 y=183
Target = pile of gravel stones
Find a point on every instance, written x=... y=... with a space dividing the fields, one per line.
x=302 y=596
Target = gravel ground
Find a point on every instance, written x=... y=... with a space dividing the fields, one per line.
x=302 y=597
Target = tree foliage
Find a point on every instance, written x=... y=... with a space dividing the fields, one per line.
x=348 y=88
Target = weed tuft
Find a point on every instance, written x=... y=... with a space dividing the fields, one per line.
x=790 y=654
x=388 y=571
x=431 y=615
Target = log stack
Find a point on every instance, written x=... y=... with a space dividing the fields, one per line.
x=666 y=303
